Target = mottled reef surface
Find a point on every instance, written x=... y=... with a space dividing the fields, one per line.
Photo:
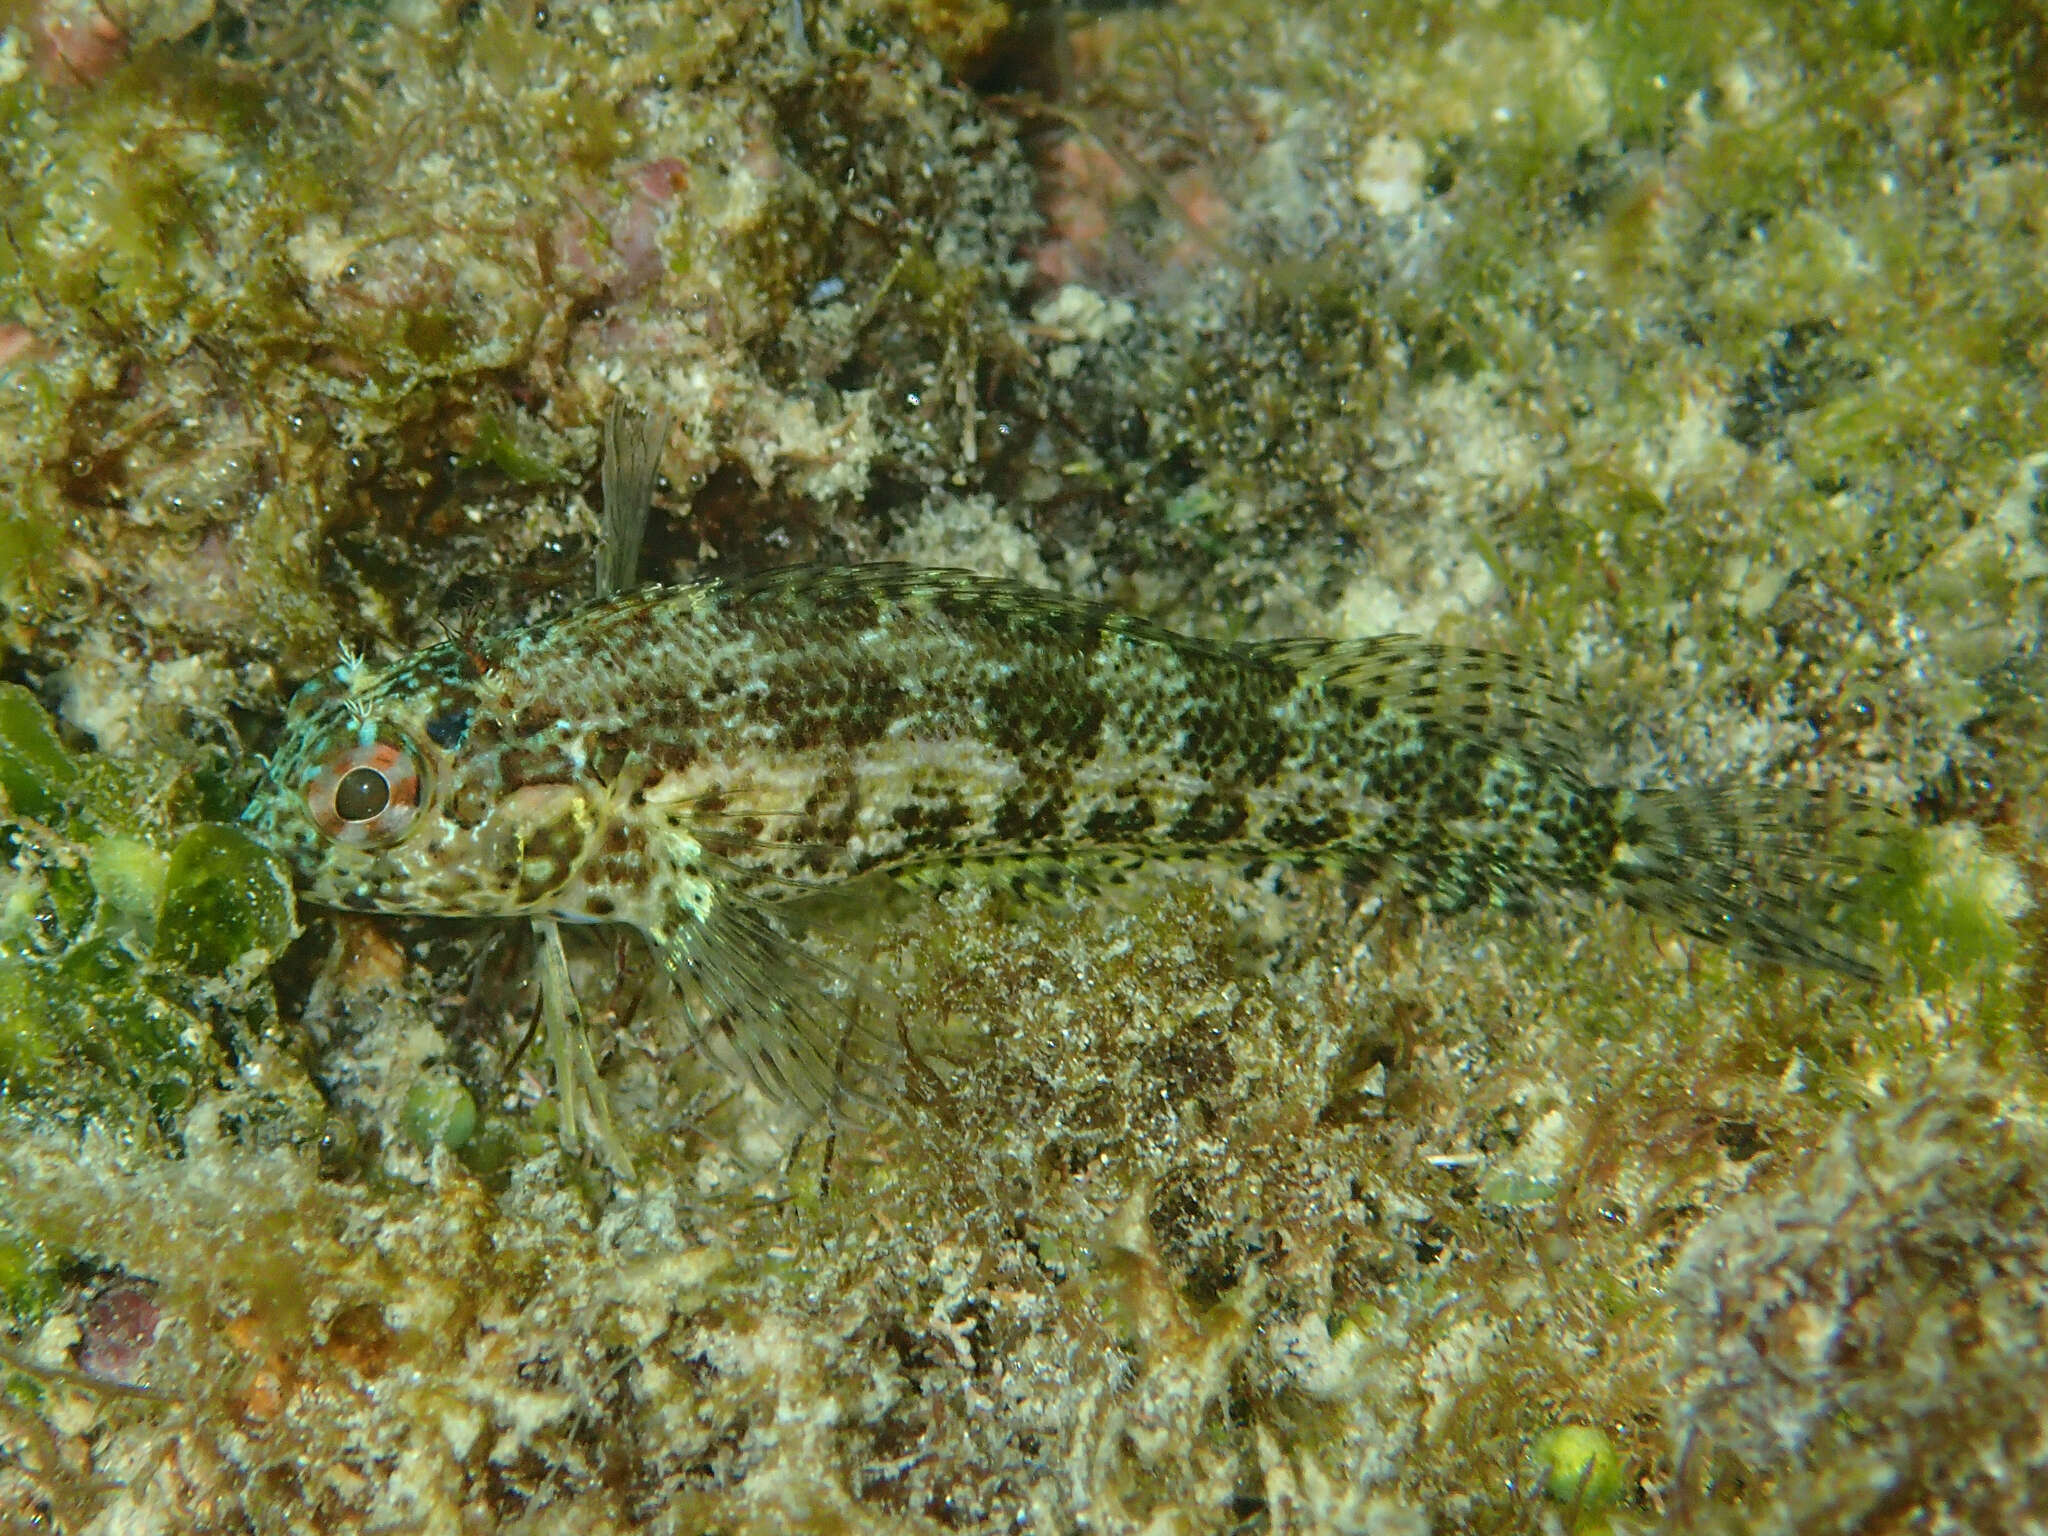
x=1696 y=351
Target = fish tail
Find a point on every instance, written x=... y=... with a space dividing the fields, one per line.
x=1769 y=873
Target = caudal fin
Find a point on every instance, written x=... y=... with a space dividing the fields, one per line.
x=1768 y=873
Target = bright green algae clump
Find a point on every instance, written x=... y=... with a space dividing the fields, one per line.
x=1697 y=354
x=132 y=952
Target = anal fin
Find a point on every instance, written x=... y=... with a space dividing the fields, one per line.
x=1055 y=876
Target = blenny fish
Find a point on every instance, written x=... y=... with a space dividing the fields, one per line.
x=683 y=759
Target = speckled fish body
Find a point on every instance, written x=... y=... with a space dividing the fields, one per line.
x=678 y=758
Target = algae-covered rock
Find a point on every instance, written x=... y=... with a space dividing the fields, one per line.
x=1869 y=1337
x=1696 y=352
x=411 y=314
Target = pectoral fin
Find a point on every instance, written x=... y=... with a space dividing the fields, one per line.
x=806 y=1033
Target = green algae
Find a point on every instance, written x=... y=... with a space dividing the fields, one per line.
x=439 y=1112
x=227 y=903
x=503 y=443
x=114 y=925
x=35 y=770
x=1580 y=1467
x=29 y=1286
x=128 y=874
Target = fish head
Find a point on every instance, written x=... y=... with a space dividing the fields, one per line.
x=376 y=805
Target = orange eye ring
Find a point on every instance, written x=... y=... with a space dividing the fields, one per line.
x=365 y=797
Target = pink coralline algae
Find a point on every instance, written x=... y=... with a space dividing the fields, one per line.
x=119 y=1325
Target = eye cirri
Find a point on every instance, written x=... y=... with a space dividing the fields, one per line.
x=366 y=796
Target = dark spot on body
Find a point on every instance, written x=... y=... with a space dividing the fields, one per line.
x=1209 y=819
x=930 y=820
x=1292 y=832
x=1011 y=818
x=1111 y=824
x=1046 y=823
x=599 y=905
x=1263 y=756
x=668 y=751
x=944 y=811
x=522 y=766
x=1028 y=818
x=608 y=753
x=1045 y=709
x=448 y=728
x=470 y=803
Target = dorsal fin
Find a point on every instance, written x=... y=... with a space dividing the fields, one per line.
x=632 y=461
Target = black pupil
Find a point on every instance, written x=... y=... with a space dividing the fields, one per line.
x=361 y=794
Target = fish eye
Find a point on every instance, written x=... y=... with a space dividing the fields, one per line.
x=361 y=794
x=365 y=796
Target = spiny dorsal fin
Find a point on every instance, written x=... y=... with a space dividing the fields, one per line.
x=632 y=460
